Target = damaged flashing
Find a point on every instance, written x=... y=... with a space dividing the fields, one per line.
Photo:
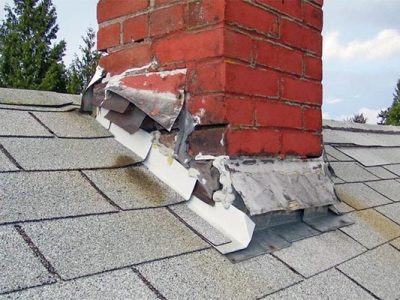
x=163 y=104
x=268 y=185
x=232 y=195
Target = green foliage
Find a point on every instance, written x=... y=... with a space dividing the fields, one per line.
x=83 y=68
x=28 y=57
x=383 y=115
x=359 y=118
x=394 y=110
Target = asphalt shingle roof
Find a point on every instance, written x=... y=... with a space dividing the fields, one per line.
x=75 y=223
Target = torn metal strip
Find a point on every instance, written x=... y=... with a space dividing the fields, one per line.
x=158 y=94
x=88 y=94
x=187 y=125
x=273 y=185
x=115 y=102
x=140 y=142
x=129 y=121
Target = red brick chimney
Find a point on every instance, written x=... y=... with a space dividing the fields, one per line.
x=254 y=67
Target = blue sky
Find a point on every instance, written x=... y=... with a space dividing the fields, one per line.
x=361 y=50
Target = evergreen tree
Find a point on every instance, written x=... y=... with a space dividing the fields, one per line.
x=359 y=118
x=383 y=116
x=394 y=111
x=83 y=68
x=28 y=57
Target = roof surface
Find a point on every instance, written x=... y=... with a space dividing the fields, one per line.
x=81 y=219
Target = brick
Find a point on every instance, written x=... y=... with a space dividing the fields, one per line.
x=111 y=9
x=313 y=15
x=252 y=17
x=167 y=20
x=135 y=28
x=189 y=46
x=280 y=115
x=207 y=77
x=205 y=12
x=155 y=82
x=134 y=56
x=291 y=7
x=108 y=36
x=210 y=109
x=318 y=2
x=245 y=52
x=253 y=141
x=207 y=141
x=240 y=110
x=301 y=37
x=246 y=80
x=164 y=2
x=302 y=91
x=312 y=119
x=279 y=57
x=313 y=67
x=301 y=143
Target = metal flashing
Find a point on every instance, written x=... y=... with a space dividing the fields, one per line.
x=160 y=95
x=274 y=185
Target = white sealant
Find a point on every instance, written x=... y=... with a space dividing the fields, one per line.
x=225 y=195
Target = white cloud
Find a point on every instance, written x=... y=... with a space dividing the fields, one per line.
x=385 y=44
x=370 y=114
x=326 y=116
x=333 y=100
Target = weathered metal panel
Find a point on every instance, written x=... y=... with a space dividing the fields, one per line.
x=274 y=185
x=160 y=95
x=115 y=102
x=129 y=121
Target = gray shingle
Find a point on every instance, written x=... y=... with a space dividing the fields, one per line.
x=19 y=266
x=72 y=124
x=320 y=253
x=7 y=107
x=372 y=229
x=371 y=157
x=122 y=284
x=344 y=208
x=328 y=285
x=377 y=270
x=88 y=245
x=134 y=187
x=330 y=158
x=389 y=188
x=20 y=123
x=394 y=169
x=6 y=164
x=59 y=154
x=396 y=243
x=361 y=138
x=337 y=154
x=200 y=225
x=358 y=126
x=359 y=195
x=208 y=275
x=381 y=172
x=33 y=196
x=36 y=98
x=352 y=172
x=392 y=211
